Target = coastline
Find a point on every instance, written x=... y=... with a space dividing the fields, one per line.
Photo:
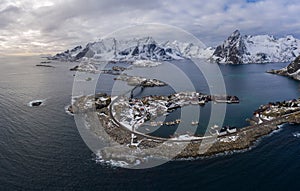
x=243 y=139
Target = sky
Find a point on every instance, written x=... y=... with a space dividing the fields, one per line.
x=50 y=26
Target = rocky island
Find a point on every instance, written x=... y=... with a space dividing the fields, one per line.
x=292 y=70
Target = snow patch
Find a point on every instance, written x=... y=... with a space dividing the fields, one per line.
x=146 y=63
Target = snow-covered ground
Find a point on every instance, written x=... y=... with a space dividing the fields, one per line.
x=145 y=63
x=266 y=48
x=229 y=139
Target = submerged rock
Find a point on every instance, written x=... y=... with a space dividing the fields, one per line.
x=45 y=65
x=35 y=103
x=38 y=103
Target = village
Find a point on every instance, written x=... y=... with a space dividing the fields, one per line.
x=121 y=117
x=273 y=110
x=135 y=112
x=132 y=113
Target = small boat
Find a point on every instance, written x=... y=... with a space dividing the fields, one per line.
x=178 y=121
x=195 y=122
x=202 y=103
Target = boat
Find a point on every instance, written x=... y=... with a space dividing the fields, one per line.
x=195 y=122
x=201 y=103
x=178 y=121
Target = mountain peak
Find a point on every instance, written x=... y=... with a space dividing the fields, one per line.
x=231 y=51
x=236 y=33
x=238 y=49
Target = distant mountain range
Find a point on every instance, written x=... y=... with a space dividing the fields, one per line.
x=146 y=48
x=236 y=49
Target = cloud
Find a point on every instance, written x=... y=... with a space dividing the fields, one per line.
x=7 y=15
x=32 y=26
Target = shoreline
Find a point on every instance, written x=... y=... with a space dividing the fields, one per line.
x=243 y=139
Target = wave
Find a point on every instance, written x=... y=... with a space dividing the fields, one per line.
x=115 y=163
x=296 y=134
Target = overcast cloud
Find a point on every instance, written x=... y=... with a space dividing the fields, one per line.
x=49 y=26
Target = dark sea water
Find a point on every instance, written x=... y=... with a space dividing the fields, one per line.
x=41 y=149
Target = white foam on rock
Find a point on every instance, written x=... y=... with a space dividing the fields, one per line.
x=35 y=101
x=67 y=110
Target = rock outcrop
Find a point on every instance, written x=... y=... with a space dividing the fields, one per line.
x=68 y=55
x=292 y=70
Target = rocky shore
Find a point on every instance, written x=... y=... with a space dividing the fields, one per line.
x=292 y=70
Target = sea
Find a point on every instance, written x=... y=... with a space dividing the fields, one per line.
x=41 y=148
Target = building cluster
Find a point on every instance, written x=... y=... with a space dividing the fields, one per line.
x=223 y=131
x=102 y=100
x=136 y=111
x=275 y=109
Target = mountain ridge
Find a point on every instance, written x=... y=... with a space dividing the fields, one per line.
x=245 y=49
x=135 y=49
x=236 y=49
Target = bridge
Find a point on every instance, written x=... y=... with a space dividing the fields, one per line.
x=141 y=85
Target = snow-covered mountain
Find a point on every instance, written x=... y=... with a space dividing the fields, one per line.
x=68 y=55
x=136 y=49
x=190 y=50
x=236 y=49
x=242 y=49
